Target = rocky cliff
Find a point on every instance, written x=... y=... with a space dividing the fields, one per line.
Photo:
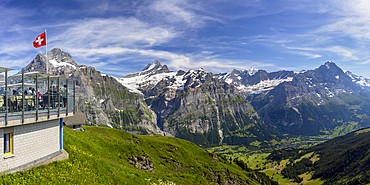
x=196 y=105
x=214 y=109
x=311 y=102
x=99 y=96
x=193 y=105
x=314 y=102
x=251 y=82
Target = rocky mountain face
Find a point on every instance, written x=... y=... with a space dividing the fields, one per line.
x=239 y=107
x=359 y=80
x=317 y=85
x=192 y=105
x=99 y=96
x=314 y=102
x=60 y=63
x=196 y=105
x=252 y=82
x=255 y=81
x=303 y=103
x=147 y=78
x=151 y=69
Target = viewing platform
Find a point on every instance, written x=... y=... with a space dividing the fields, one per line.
x=29 y=97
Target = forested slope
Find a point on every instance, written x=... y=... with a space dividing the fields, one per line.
x=342 y=160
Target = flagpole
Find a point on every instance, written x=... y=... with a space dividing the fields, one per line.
x=46 y=52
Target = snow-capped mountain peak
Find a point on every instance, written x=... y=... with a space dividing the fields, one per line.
x=154 y=65
x=57 y=58
x=248 y=81
x=57 y=64
x=151 y=69
x=137 y=82
x=359 y=80
x=252 y=81
x=251 y=71
x=151 y=76
x=328 y=64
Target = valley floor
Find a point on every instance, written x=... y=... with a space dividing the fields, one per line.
x=256 y=160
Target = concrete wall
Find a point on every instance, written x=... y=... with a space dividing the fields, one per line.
x=31 y=143
x=75 y=127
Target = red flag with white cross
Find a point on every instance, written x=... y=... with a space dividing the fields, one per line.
x=40 y=40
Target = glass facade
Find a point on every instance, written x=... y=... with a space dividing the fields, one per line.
x=35 y=93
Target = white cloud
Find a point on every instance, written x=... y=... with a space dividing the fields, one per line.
x=14 y=62
x=222 y=65
x=217 y=35
x=180 y=11
x=12 y=16
x=310 y=55
x=174 y=10
x=347 y=19
x=299 y=48
x=364 y=62
x=302 y=51
x=342 y=31
x=172 y=60
x=99 y=32
x=207 y=52
x=346 y=53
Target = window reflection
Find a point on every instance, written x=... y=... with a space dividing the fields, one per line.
x=35 y=93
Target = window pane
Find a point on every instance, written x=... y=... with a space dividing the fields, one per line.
x=6 y=143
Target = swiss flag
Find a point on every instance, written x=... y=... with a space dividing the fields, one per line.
x=40 y=40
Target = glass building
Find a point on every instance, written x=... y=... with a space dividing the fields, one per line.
x=32 y=108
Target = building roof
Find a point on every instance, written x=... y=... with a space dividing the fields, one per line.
x=3 y=69
x=78 y=119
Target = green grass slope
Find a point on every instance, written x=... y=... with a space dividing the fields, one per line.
x=109 y=156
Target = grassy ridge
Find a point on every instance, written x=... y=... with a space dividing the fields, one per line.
x=107 y=156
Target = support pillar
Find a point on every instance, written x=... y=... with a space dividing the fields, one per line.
x=61 y=133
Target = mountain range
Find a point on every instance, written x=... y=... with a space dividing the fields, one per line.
x=239 y=107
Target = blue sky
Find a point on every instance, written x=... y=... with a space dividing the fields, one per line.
x=122 y=37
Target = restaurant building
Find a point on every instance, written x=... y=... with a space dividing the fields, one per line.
x=32 y=108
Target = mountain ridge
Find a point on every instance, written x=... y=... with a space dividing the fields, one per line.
x=323 y=89
x=210 y=109
x=287 y=90
x=192 y=105
x=99 y=96
x=262 y=81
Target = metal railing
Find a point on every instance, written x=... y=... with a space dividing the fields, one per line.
x=45 y=95
x=16 y=104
